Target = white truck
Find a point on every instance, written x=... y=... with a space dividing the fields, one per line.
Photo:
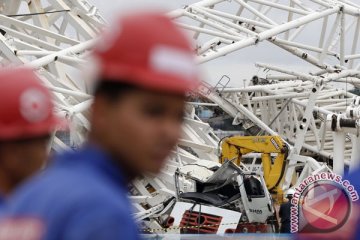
x=216 y=199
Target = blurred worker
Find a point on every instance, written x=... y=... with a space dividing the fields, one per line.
x=353 y=231
x=26 y=122
x=146 y=65
x=284 y=212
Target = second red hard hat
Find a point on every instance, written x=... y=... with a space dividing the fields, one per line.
x=148 y=50
x=26 y=108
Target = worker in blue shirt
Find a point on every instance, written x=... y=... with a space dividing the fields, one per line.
x=284 y=212
x=145 y=66
x=354 y=219
x=26 y=123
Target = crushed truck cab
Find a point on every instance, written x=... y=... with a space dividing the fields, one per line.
x=219 y=188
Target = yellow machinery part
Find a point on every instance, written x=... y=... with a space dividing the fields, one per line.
x=236 y=146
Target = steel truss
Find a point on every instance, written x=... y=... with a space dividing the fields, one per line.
x=53 y=37
x=304 y=108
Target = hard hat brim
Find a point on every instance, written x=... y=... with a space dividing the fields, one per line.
x=168 y=83
x=15 y=132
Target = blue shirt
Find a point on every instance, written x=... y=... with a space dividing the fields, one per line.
x=83 y=195
x=354 y=179
x=2 y=204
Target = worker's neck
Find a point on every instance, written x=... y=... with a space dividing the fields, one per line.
x=128 y=173
x=6 y=184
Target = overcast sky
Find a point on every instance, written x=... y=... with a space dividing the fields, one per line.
x=238 y=66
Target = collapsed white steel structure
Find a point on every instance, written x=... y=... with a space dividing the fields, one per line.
x=316 y=119
x=303 y=108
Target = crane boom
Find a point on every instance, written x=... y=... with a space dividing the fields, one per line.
x=235 y=146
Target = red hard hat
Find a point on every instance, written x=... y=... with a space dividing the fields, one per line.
x=26 y=109
x=147 y=50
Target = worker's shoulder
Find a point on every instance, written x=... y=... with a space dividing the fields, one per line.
x=69 y=184
x=353 y=178
x=285 y=204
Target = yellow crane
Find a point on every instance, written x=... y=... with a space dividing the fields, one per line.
x=234 y=147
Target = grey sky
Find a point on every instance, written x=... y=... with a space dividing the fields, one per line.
x=238 y=65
